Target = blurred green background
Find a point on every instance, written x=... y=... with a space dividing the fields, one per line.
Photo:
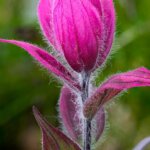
x=23 y=84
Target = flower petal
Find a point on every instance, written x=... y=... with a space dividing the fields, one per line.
x=113 y=86
x=48 y=61
x=53 y=139
x=108 y=14
x=71 y=114
x=45 y=19
x=97 y=4
x=78 y=29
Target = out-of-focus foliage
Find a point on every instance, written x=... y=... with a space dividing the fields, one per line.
x=23 y=84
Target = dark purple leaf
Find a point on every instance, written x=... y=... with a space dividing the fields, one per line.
x=71 y=113
x=53 y=138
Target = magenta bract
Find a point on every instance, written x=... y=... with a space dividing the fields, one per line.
x=113 y=86
x=47 y=61
x=81 y=30
x=107 y=11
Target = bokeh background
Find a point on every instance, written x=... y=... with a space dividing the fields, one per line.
x=24 y=84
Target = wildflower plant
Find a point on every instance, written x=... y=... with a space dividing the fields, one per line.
x=81 y=32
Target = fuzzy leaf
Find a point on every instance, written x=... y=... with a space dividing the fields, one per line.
x=99 y=120
x=71 y=113
x=113 y=86
x=53 y=139
x=47 y=61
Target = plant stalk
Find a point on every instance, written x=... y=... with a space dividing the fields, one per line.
x=87 y=123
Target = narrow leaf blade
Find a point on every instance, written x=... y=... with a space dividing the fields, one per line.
x=53 y=139
x=46 y=60
x=113 y=86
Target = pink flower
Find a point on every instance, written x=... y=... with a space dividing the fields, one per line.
x=82 y=30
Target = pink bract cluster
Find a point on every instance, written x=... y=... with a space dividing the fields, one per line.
x=82 y=33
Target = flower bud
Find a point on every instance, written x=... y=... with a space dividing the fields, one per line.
x=81 y=30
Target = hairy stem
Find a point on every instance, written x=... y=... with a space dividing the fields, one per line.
x=87 y=123
x=87 y=136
